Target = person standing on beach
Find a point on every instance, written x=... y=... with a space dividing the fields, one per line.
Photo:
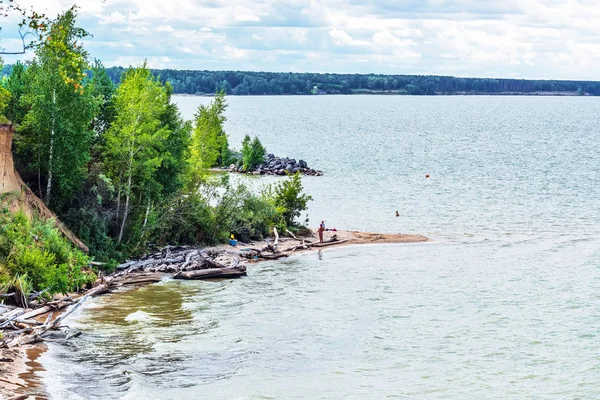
x=321 y=230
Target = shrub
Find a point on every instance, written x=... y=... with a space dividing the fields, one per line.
x=255 y=217
x=34 y=256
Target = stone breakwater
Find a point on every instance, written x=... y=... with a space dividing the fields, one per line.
x=279 y=166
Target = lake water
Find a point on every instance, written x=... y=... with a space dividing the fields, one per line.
x=503 y=304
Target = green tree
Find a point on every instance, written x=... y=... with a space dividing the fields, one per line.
x=136 y=141
x=172 y=170
x=253 y=153
x=209 y=145
x=289 y=198
x=56 y=130
x=15 y=84
x=103 y=89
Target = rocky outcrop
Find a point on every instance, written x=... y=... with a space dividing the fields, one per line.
x=279 y=166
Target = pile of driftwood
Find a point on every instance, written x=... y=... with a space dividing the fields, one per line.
x=20 y=326
x=180 y=262
x=272 y=251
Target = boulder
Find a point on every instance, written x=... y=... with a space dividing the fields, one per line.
x=270 y=155
x=232 y=167
x=302 y=164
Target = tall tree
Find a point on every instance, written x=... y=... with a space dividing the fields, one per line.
x=209 y=141
x=171 y=172
x=56 y=129
x=136 y=140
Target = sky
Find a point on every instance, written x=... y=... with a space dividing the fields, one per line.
x=541 y=39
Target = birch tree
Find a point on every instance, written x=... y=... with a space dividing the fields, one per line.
x=56 y=130
x=135 y=142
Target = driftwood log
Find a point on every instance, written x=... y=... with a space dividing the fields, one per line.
x=270 y=253
x=213 y=273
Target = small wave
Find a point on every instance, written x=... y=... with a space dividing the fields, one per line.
x=139 y=316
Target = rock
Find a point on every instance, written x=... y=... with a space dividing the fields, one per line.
x=274 y=165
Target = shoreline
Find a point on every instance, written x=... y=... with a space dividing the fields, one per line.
x=18 y=378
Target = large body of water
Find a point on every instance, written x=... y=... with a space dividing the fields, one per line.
x=504 y=304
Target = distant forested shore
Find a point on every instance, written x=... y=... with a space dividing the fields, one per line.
x=241 y=83
x=281 y=83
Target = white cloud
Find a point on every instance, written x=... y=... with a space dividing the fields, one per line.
x=341 y=38
x=115 y=18
x=525 y=38
x=164 y=28
x=387 y=38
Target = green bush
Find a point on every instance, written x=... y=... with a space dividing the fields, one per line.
x=34 y=256
x=254 y=218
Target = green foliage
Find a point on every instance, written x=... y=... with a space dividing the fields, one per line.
x=35 y=256
x=254 y=218
x=55 y=134
x=4 y=101
x=209 y=145
x=171 y=173
x=253 y=153
x=135 y=143
x=289 y=198
x=15 y=84
x=213 y=212
x=103 y=90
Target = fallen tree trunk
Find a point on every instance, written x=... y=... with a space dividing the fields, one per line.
x=213 y=273
x=325 y=244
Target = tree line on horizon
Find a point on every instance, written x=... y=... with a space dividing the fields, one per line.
x=195 y=82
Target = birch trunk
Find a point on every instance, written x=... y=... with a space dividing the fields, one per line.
x=126 y=212
x=49 y=185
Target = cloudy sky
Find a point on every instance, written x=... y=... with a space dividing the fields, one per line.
x=554 y=39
